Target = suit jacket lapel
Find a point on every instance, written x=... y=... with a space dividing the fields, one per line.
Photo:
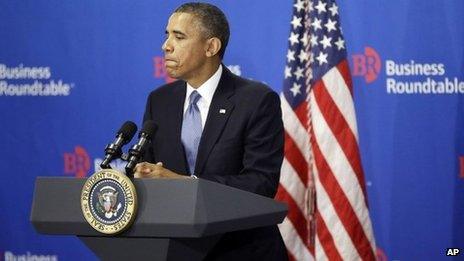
x=219 y=111
x=176 y=129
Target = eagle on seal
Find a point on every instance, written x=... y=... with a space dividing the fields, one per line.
x=107 y=199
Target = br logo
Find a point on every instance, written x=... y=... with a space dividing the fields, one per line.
x=76 y=163
x=381 y=255
x=367 y=65
x=461 y=167
x=159 y=71
x=452 y=251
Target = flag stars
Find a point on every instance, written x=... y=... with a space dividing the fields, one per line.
x=299 y=5
x=330 y=25
x=314 y=39
x=312 y=45
x=326 y=42
x=340 y=43
x=304 y=39
x=293 y=38
x=321 y=7
x=299 y=73
x=310 y=7
x=311 y=58
x=288 y=72
x=322 y=58
x=316 y=24
x=290 y=56
x=295 y=89
x=303 y=56
x=334 y=9
x=295 y=22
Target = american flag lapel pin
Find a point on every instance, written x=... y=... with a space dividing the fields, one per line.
x=222 y=111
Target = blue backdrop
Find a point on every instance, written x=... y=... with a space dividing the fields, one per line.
x=72 y=72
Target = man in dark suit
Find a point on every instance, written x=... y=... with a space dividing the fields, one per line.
x=215 y=125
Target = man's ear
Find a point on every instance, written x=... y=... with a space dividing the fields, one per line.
x=213 y=45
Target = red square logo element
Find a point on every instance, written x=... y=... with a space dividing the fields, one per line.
x=461 y=167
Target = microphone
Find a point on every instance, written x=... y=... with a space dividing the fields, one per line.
x=138 y=149
x=123 y=136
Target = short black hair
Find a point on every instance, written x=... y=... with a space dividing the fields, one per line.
x=213 y=21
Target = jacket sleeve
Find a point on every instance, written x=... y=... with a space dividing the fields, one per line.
x=148 y=155
x=263 y=150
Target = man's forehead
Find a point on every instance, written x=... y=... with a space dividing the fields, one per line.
x=183 y=22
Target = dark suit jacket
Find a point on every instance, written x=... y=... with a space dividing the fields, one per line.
x=242 y=148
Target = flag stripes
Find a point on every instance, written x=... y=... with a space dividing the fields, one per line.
x=321 y=144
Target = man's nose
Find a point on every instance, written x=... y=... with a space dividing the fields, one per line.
x=167 y=47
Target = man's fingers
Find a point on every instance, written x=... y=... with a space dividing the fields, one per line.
x=142 y=169
x=145 y=169
x=140 y=166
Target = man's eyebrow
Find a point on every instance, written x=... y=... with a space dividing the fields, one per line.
x=176 y=32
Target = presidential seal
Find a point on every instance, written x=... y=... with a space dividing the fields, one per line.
x=109 y=201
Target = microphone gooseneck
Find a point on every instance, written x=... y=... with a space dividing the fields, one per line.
x=113 y=150
x=138 y=149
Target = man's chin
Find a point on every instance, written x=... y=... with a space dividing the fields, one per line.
x=172 y=73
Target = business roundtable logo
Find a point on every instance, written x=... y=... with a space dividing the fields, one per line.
x=367 y=65
x=109 y=201
x=76 y=163
x=407 y=76
x=24 y=80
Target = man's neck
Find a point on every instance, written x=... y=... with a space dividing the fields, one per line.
x=207 y=71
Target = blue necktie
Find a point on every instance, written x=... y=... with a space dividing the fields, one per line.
x=191 y=130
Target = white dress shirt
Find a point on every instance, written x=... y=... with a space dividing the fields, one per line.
x=206 y=91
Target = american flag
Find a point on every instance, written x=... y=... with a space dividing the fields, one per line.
x=322 y=180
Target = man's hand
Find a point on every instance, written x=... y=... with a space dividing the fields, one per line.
x=149 y=170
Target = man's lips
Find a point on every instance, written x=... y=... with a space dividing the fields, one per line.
x=170 y=62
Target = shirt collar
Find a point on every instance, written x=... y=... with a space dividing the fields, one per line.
x=207 y=89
